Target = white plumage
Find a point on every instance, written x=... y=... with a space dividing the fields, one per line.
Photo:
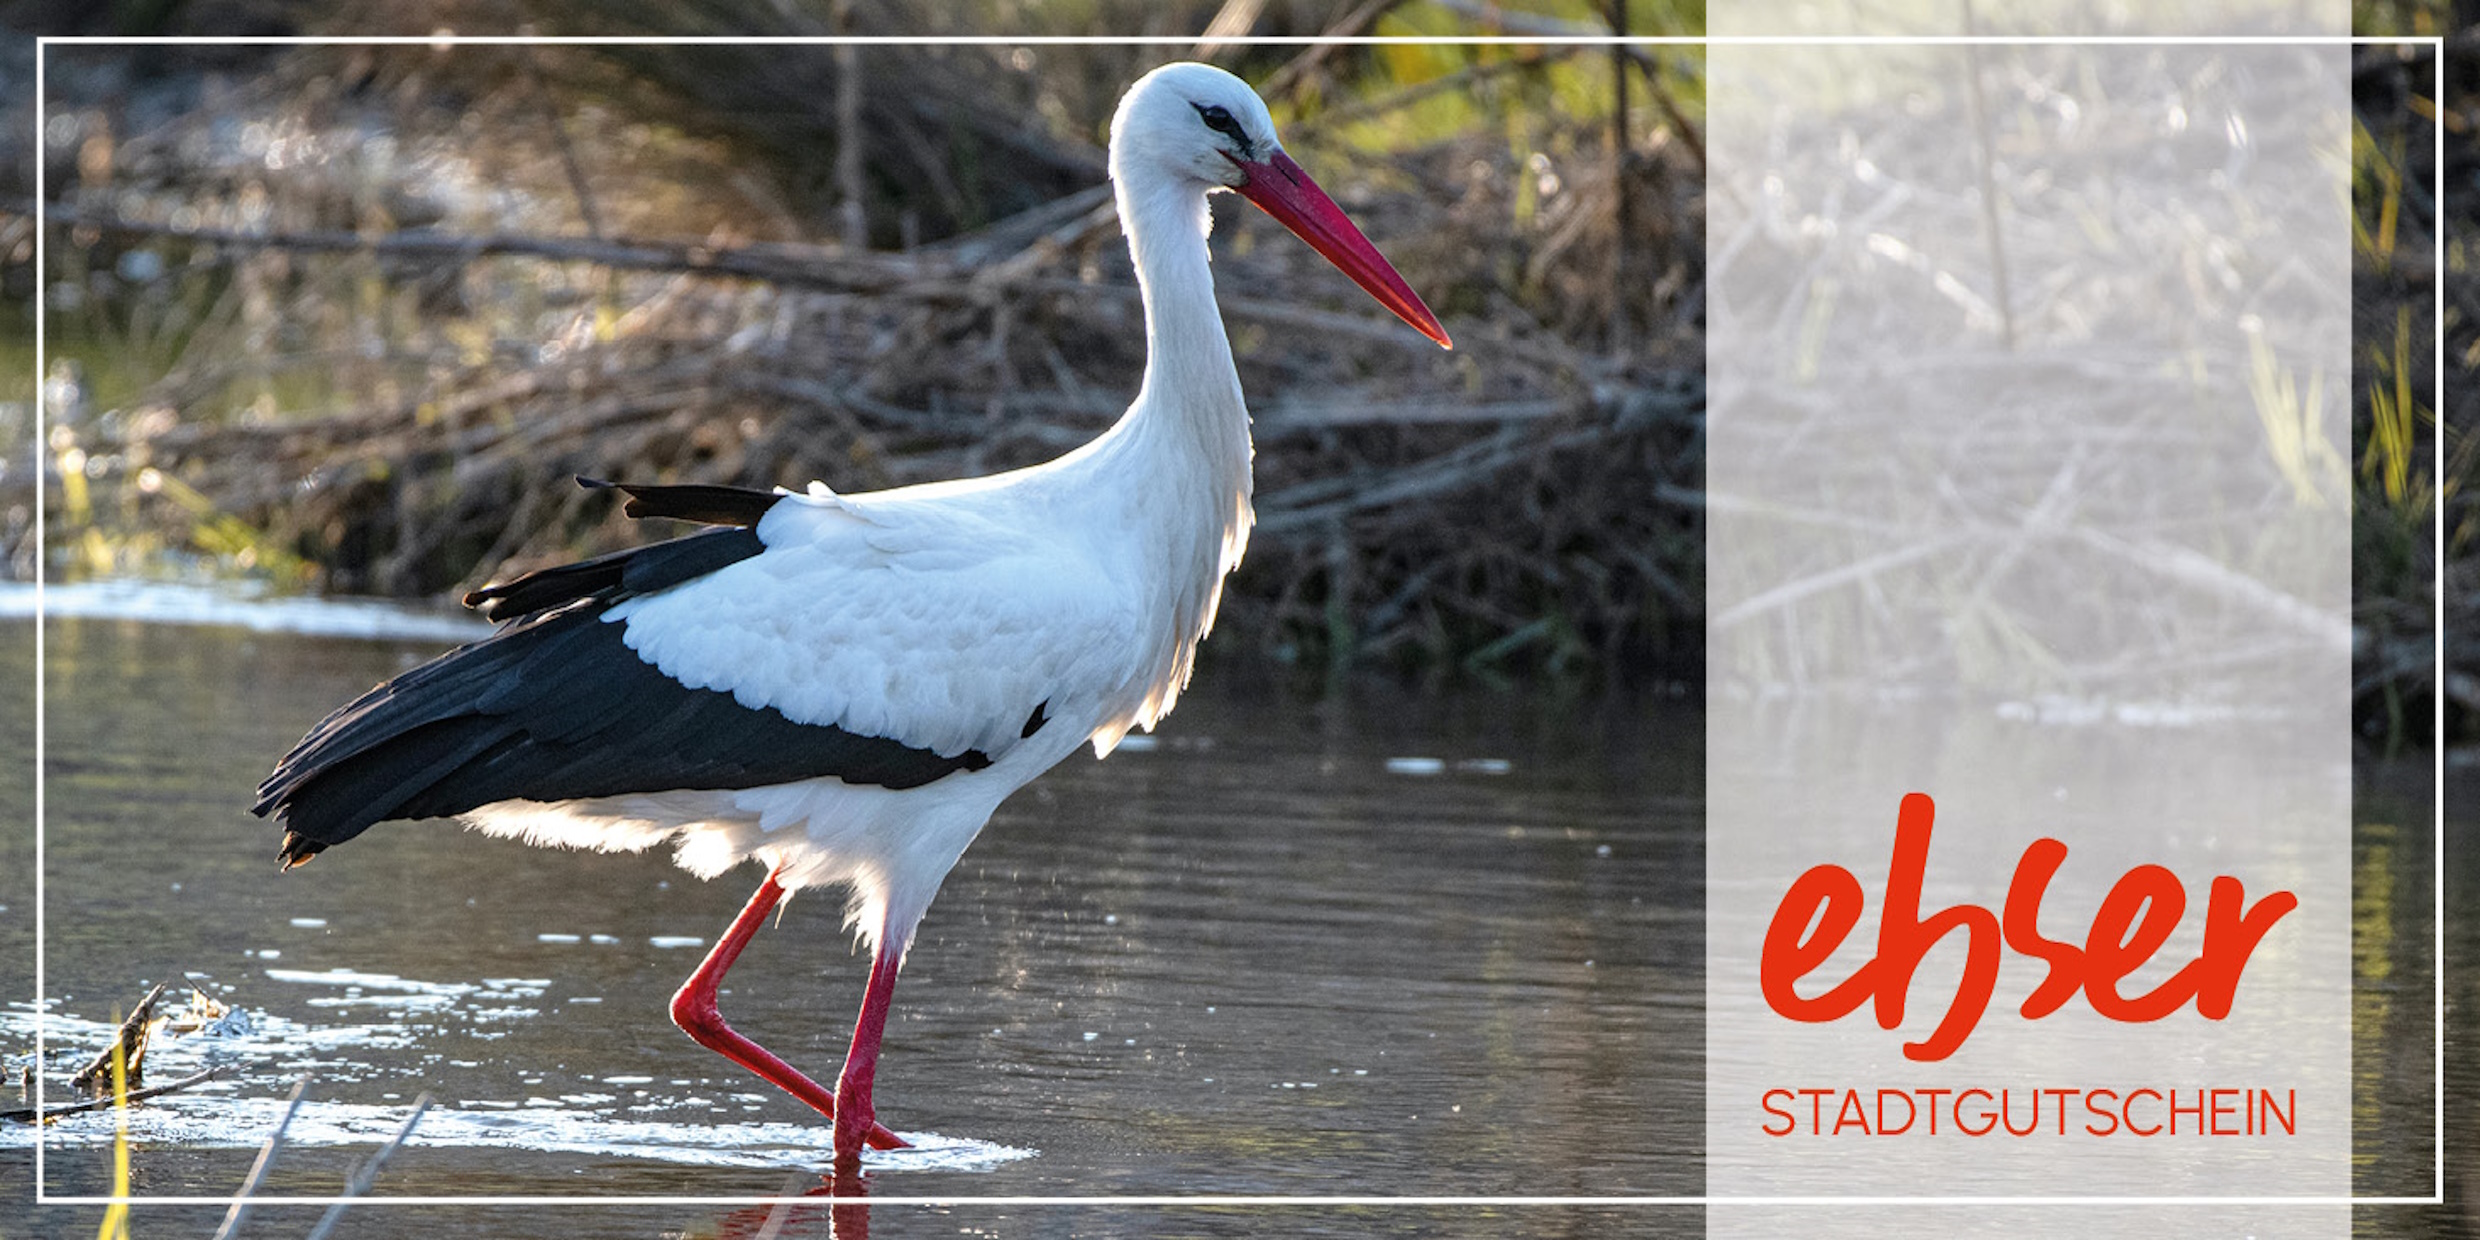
x=959 y=637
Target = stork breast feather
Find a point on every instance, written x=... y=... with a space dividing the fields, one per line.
x=944 y=644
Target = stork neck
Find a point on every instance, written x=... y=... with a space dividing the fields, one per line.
x=1181 y=455
x=1188 y=370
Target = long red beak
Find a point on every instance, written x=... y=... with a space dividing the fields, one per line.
x=1285 y=192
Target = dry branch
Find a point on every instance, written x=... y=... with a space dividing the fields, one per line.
x=27 y=1114
x=257 y=1178
x=128 y=1042
x=801 y=266
x=1297 y=70
x=368 y=1173
x=378 y=405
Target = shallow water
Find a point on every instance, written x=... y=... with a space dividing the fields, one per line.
x=1391 y=946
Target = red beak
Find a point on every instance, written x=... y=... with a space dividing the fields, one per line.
x=1285 y=192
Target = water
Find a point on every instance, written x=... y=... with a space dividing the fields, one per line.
x=1397 y=945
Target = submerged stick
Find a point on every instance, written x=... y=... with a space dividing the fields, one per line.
x=368 y=1173
x=266 y=1161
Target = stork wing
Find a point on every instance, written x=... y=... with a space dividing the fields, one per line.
x=940 y=625
x=818 y=645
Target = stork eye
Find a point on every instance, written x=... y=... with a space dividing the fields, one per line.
x=1219 y=119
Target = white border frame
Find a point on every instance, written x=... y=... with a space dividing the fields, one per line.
x=2436 y=47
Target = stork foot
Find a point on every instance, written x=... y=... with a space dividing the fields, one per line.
x=707 y=1027
x=857 y=1126
x=695 y=1011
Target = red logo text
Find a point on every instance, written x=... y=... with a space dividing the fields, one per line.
x=2133 y=922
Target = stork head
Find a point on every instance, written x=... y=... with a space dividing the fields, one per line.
x=1196 y=127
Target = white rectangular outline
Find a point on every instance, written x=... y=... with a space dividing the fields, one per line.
x=2436 y=48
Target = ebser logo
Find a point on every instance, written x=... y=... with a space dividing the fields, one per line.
x=2134 y=920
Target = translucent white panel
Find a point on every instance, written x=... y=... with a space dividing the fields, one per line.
x=2028 y=371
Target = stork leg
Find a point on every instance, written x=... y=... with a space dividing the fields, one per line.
x=694 y=1010
x=855 y=1116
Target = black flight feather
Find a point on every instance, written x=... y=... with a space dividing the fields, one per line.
x=641 y=570
x=552 y=708
x=704 y=503
x=555 y=706
x=637 y=570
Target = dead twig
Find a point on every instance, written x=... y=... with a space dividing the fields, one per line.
x=1495 y=19
x=851 y=173
x=1769 y=601
x=1292 y=419
x=2193 y=568
x=368 y=1173
x=1453 y=471
x=130 y=1040
x=575 y=171
x=27 y=1115
x=266 y=1161
x=1622 y=206
x=1454 y=80
x=1233 y=20
x=1984 y=147
x=1294 y=71
x=798 y=265
x=1669 y=103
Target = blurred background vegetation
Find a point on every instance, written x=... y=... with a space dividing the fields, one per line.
x=347 y=318
x=2398 y=219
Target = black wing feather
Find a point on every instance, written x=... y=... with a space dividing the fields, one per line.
x=641 y=570
x=637 y=570
x=555 y=706
x=704 y=503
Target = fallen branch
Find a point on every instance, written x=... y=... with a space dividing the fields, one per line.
x=1296 y=418
x=27 y=1115
x=2329 y=629
x=1781 y=596
x=775 y=263
x=368 y=1173
x=266 y=1162
x=1308 y=505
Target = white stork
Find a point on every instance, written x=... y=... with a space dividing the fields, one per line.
x=846 y=686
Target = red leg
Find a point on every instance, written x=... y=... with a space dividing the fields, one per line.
x=693 y=1009
x=854 y=1114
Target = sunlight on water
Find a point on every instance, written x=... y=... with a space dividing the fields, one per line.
x=236 y=607
x=240 y=1109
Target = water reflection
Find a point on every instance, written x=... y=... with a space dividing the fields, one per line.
x=838 y=1210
